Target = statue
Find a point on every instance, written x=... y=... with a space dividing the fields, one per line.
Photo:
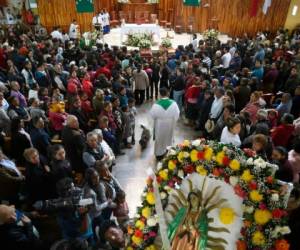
x=190 y=227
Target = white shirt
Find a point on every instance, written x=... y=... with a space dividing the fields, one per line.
x=56 y=34
x=105 y=18
x=195 y=43
x=216 y=107
x=228 y=137
x=226 y=58
x=10 y=19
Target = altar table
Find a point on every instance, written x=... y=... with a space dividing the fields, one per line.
x=139 y=28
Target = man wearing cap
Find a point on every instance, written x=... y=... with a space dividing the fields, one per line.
x=165 y=114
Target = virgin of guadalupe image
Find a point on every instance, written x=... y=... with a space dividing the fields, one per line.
x=190 y=227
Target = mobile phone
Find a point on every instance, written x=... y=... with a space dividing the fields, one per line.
x=19 y=215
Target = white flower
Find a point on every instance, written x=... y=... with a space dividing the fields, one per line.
x=233 y=180
x=186 y=154
x=275 y=197
x=159 y=166
x=167 y=188
x=225 y=148
x=144 y=194
x=172 y=152
x=250 y=161
x=180 y=173
x=163 y=195
x=285 y=230
x=248 y=209
x=260 y=163
x=151 y=222
x=196 y=143
x=137 y=215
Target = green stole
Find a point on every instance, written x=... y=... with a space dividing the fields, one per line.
x=165 y=103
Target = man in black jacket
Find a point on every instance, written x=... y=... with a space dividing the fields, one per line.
x=16 y=230
x=74 y=141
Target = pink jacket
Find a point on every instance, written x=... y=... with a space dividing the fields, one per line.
x=294 y=160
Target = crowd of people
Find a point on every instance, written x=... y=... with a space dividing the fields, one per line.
x=66 y=112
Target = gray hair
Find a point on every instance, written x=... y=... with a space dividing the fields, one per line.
x=90 y=135
x=98 y=132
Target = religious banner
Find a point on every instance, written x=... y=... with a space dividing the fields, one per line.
x=84 y=6
x=192 y=2
x=254 y=7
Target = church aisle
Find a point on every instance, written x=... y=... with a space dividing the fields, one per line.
x=131 y=168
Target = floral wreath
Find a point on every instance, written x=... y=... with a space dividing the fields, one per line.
x=252 y=178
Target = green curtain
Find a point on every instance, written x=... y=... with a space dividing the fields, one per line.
x=85 y=6
x=192 y=2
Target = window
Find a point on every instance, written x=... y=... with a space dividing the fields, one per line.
x=295 y=10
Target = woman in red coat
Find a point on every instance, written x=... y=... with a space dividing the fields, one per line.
x=282 y=134
x=191 y=99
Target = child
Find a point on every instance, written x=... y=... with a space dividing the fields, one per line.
x=273 y=117
x=280 y=157
x=126 y=126
x=132 y=114
x=123 y=97
x=121 y=211
x=86 y=105
x=259 y=143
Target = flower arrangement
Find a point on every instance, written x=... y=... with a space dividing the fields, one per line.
x=264 y=214
x=166 y=43
x=211 y=34
x=123 y=1
x=141 y=40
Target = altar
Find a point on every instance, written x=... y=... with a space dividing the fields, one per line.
x=139 y=28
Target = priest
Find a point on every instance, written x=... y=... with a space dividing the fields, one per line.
x=165 y=114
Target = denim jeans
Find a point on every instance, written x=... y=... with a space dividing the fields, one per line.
x=177 y=96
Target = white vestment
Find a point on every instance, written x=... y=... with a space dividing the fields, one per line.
x=165 y=114
x=73 y=32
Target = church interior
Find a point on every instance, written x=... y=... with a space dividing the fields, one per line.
x=149 y=124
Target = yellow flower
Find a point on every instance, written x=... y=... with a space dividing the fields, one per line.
x=201 y=170
x=219 y=157
x=180 y=156
x=186 y=143
x=208 y=154
x=256 y=196
x=140 y=224
x=151 y=247
x=150 y=198
x=136 y=240
x=234 y=165
x=262 y=216
x=194 y=155
x=258 y=239
x=171 y=165
x=247 y=176
x=163 y=174
x=227 y=215
x=129 y=248
x=146 y=212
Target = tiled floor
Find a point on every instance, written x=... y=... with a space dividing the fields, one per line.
x=131 y=169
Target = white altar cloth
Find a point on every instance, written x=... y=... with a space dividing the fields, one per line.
x=139 y=28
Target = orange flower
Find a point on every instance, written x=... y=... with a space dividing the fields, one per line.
x=216 y=172
x=282 y=245
x=241 y=245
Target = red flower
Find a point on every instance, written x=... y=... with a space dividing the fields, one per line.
x=262 y=206
x=158 y=179
x=249 y=152
x=253 y=185
x=189 y=169
x=226 y=160
x=171 y=184
x=277 y=213
x=239 y=191
x=138 y=233
x=152 y=234
x=269 y=179
x=200 y=155
x=146 y=237
x=216 y=172
x=226 y=179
